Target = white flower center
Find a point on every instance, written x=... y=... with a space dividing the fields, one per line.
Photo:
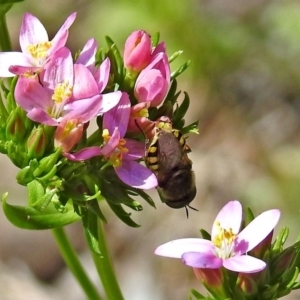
x=224 y=241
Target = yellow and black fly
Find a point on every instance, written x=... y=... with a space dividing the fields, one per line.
x=167 y=158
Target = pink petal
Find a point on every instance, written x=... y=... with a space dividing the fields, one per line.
x=30 y=94
x=256 y=231
x=109 y=101
x=40 y=116
x=83 y=154
x=136 y=175
x=161 y=47
x=84 y=109
x=8 y=59
x=177 y=248
x=229 y=218
x=59 y=69
x=103 y=75
x=202 y=260
x=21 y=70
x=111 y=145
x=87 y=54
x=32 y=32
x=244 y=264
x=118 y=116
x=85 y=85
x=62 y=34
x=136 y=150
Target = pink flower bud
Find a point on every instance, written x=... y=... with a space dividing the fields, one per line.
x=161 y=47
x=68 y=133
x=213 y=280
x=153 y=82
x=137 y=52
x=246 y=285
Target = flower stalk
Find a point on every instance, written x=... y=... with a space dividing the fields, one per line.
x=71 y=259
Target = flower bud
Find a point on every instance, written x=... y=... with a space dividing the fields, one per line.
x=36 y=143
x=47 y=164
x=15 y=126
x=68 y=133
x=138 y=116
x=153 y=82
x=246 y=286
x=213 y=280
x=161 y=47
x=260 y=250
x=137 y=51
x=284 y=262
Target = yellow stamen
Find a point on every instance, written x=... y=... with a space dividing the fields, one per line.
x=117 y=156
x=224 y=238
x=39 y=50
x=62 y=92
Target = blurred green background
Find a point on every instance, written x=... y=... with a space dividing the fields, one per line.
x=244 y=85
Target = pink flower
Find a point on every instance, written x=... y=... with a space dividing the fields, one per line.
x=153 y=82
x=121 y=152
x=35 y=45
x=137 y=51
x=228 y=248
x=63 y=91
x=67 y=134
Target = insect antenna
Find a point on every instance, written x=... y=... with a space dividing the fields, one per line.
x=187 y=211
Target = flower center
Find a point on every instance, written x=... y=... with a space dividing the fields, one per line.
x=39 y=51
x=117 y=155
x=224 y=241
x=62 y=93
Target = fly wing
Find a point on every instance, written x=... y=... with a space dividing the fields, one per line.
x=169 y=155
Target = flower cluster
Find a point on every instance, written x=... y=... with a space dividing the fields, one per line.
x=234 y=264
x=55 y=98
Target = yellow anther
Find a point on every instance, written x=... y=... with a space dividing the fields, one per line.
x=39 y=50
x=62 y=92
x=223 y=237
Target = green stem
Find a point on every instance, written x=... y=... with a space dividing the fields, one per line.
x=70 y=257
x=5 y=44
x=97 y=242
x=105 y=267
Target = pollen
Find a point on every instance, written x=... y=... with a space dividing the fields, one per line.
x=62 y=92
x=40 y=50
x=117 y=155
x=224 y=240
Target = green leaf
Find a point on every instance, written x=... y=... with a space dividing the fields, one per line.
x=192 y=128
x=249 y=216
x=155 y=39
x=196 y=294
x=181 y=110
x=5 y=6
x=30 y=218
x=35 y=192
x=90 y=224
x=93 y=206
x=180 y=70
x=122 y=214
x=146 y=197
x=205 y=234
x=175 y=55
x=116 y=60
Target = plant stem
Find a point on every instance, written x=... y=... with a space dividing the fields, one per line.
x=97 y=242
x=70 y=257
x=5 y=44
